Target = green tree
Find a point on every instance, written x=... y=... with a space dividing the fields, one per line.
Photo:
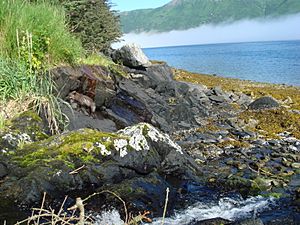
x=93 y=22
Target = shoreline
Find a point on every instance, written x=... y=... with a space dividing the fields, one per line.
x=213 y=139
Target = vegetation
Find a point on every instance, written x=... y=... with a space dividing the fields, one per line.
x=185 y=14
x=93 y=22
x=34 y=38
x=35 y=33
x=271 y=122
x=288 y=95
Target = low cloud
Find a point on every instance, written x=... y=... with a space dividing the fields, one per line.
x=284 y=28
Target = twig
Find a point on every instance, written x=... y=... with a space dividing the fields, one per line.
x=166 y=205
x=42 y=206
x=76 y=170
x=62 y=205
x=114 y=194
x=79 y=205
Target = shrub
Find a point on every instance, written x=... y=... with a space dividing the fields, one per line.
x=36 y=33
x=93 y=22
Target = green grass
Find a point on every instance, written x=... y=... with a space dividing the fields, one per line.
x=14 y=80
x=45 y=24
x=31 y=90
x=96 y=59
x=33 y=38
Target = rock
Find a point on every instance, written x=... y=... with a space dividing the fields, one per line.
x=132 y=56
x=249 y=222
x=217 y=99
x=3 y=170
x=104 y=158
x=264 y=103
x=159 y=73
x=78 y=120
x=295 y=165
x=142 y=193
x=244 y=100
x=215 y=221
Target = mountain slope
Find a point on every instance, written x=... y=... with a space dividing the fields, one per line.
x=185 y=14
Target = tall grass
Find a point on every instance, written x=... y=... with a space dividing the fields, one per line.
x=33 y=37
x=21 y=91
x=46 y=23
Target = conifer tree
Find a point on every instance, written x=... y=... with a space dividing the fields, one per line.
x=93 y=22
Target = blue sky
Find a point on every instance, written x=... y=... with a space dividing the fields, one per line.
x=126 y=5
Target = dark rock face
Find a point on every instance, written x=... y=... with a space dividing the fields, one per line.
x=264 y=103
x=132 y=153
x=215 y=221
x=3 y=170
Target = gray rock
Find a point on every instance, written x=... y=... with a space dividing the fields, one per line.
x=217 y=99
x=132 y=152
x=132 y=56
x=264 y=103
x=78 y=120
x=214 y=221
x=3 y=170
x=250 y=222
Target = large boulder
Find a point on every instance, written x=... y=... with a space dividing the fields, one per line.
x=264 y=103
x=102 y=158
x=132 y=56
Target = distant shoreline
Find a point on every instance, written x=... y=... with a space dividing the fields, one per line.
x=221 y=43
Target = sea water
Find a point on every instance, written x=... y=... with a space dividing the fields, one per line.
x=273 y=62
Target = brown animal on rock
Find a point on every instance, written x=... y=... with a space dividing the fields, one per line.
x=83 y=100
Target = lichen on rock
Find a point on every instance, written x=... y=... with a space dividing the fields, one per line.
x=139 y=133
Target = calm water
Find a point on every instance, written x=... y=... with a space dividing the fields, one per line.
x=274 y=62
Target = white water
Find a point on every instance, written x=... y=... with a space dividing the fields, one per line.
x=226 y=208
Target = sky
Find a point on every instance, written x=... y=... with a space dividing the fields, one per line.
x=284 y=28
x=126 y=5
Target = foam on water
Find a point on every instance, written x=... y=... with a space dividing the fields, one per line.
x=111 y=217
x=226 y=208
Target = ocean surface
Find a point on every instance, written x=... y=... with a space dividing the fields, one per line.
x=273 y=62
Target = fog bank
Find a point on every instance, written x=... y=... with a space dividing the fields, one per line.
x=284 y=28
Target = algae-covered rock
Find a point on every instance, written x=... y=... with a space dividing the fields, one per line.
x=78 y=159
x=264 y=103
x=22 y=129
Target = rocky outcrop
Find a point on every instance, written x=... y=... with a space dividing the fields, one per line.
x=132 y=56
x=118 y=143
x=50 y=165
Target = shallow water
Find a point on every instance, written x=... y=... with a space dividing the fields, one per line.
x=226 y=208
x=273 y=62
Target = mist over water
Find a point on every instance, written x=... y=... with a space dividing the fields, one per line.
x=283 y=28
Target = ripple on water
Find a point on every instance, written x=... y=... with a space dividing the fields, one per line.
x=226 y=208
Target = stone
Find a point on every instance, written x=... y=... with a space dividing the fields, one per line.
x=3 y=170
x=108 y=158
x=217 y=99
x=131 y=55
x=249 y=222
x=264 y=103
x=214 y=221
x=78 y=120
x=295 y=165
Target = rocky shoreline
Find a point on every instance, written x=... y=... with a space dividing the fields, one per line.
x=150 y=132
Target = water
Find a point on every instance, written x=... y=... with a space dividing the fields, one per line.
x=273 y=62
x=226 y=208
